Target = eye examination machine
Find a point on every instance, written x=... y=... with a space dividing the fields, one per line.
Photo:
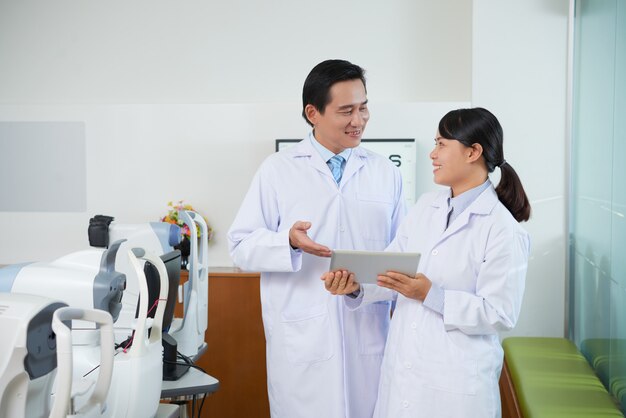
x=84 y=279
x=89 y=279
x=131 y=275
x=160 y=238
x=37 y=340
x=27 y=355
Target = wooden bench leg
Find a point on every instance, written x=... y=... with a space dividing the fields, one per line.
x=510 y=406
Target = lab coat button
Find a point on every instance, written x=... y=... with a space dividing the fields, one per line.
x=435 y=252
x=405 y=404
x=414 y=325
x=342 y=229
x=407 y=365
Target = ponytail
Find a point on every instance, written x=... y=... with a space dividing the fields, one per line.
x=478 y=125
x=511 y=193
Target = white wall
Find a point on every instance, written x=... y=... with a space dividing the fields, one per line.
x=519 y=72
x=235 y=51
x=183 y=101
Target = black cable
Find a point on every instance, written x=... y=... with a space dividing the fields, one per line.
x=186 y=361
x=98 y=365
x=184 y=364
x=183 y=357
x=201 y=405
x=189 y=362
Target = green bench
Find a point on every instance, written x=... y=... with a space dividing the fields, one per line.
x=551 y=378
x=608 y=359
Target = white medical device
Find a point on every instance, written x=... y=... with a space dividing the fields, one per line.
x=88 y=278
x=160 y=238
x=27 y=355
x=190 y=329
x=36 y=341
x=64 y=400
x=137 y=370
x=84 y=279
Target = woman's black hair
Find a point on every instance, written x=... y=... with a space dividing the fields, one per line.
x=323 y=76
x=479 y=126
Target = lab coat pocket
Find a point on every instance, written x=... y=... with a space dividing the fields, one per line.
x=375 y=207
x=307 y=334
x=447 y=366
x=455 y=376
x=369 y=197
x=373 y=325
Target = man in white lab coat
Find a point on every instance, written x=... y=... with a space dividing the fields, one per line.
x=322 y=359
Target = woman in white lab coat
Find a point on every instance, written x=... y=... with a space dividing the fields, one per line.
x=443 y=355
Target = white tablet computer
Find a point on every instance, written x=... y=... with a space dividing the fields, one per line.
x=367 y=265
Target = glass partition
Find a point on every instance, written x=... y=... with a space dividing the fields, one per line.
x=598 y=198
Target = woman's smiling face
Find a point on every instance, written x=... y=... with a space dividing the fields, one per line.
x=451 y=164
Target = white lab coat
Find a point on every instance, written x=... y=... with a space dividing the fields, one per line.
x=323 y=360
x=448 y=366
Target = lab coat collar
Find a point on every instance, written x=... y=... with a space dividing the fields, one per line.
x=483 y=205
x=303 y=148
x=355 y=162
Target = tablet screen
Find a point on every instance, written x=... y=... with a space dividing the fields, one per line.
x=367 y=265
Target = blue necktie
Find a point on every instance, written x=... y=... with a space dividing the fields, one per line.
x=335 y=167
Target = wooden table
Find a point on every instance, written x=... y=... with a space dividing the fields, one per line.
x=236 y=345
